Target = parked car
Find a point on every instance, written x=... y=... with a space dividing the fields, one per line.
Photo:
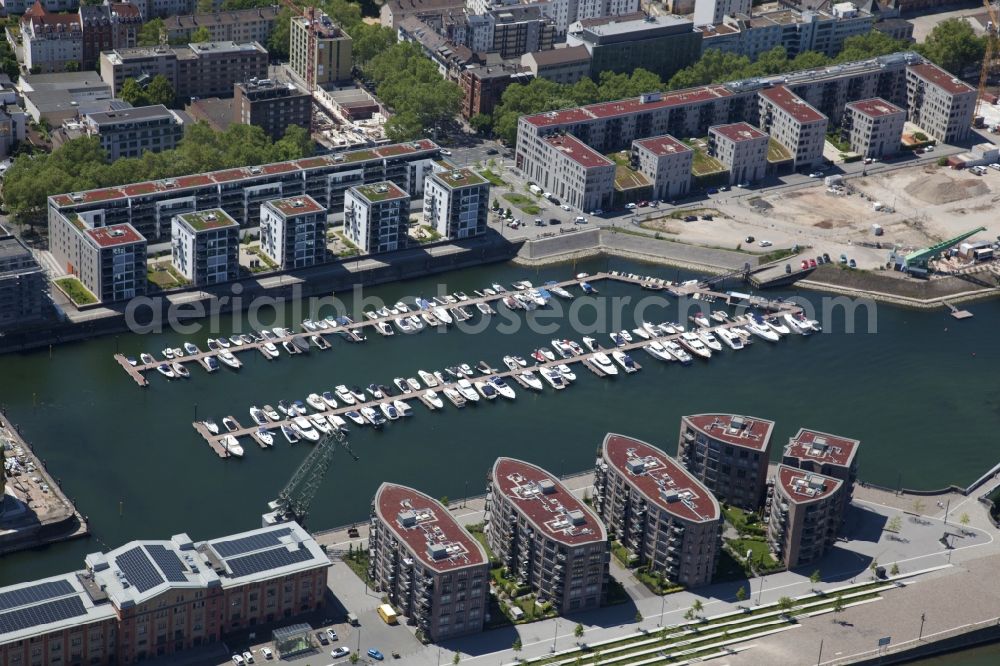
x=446 y=152
x=332 y=635
x=804 y=265
x=565 y=207
x=654 y=203
x=826 y=258
x=248 y=657
x=340 y=652
x=690 y=218
x=643 y=204
x=712 y=190
x=812 y=263
x=630 y=206
x=852 y=263
x=539 y=222
x=266 y=653
x=580 y=220
x=748 y=239
x=238 y=660
x=492 y=151
x=843 y=258
x=765 y=243
x=375 y=654
x=597 y=211
x=321 y=637
x=816 y=174
x=555 y=220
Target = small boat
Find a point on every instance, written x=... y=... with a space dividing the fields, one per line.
x=658 y=351
x=498 y=288
x=212 y=344
x=401 y=307
x=522 y=284
x=212 y=426
x=319 y=341
x=178 y=352
x=338 y=422
x=651 y=329
x=290 y=435
x=373 y=416
x=641 y=332
x=166 y=371
x=304 y=428
x=403 y=324
x=777 y=326
x=533 y=382
x=701 y=320
x=454 y=397
x=442 y=315
x=617 y=339
x=258 y=416
x=485 y=309
x=461 y=314
x=468 y=391
x=720 y=316
x=624 y=360
x=511 y=363
x=402 y=385
x=355 y=416
x=230 y=424
x=731 y=339
x=626 y=336
x=269 y=350
x=561 y=348
x=461 y=295
x=271 y=413
x=604 y=364
x=131 y=361
x=590 y=344
x=180 y=370
x=320 y=423
x=264 y=437
x=389 y=410
x=316 y=402
x=428 y=379
x=466 y=369
x=413 y=383
x=693 y=344
x=223 y=342
x=546 y=353
x=709 y=339
x=678 y=352
x=438 y=375
x=667 y=328
x=553 y=287
x=433 y=399
x=287 y=408
x=230 y=360
x=553 y=378
x=429 y=318
x=328 y=399
x=512 y=303
x=344 y=394
x=403 y=407
x=526 y=302
x=763 y=331
x=310 y=325
x=384 y=328
x=168 y=354
x=236 y=340
x=191 y=348
x=376 y=391
x=588 y=288
x=538 y=297
x=486 y=390
x=503 y=388
x=582 y=276
x=521 y=361
x=485 y=368
x=232 y=446
x=566 y=372
x=280 y=332
x=290 y=347
x=454 y=371
x=359 y=394
x=147 y=359
x=416 y=323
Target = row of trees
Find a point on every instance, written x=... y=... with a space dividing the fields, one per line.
x=81 y=164
x=159 y=91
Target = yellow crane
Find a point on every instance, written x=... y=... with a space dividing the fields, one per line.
x=992 y=50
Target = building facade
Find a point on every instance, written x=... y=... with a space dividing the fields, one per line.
x=293 y=232
x=240 y=25
x=804 y=516
x=939 y=103
x=105 y=27
x=874 y=127
x=829 y=455
x=795 y=124
x=376 y=217
x=545 y=537
x=565 y=65
x=665 y=518
x=709 y=12
x=483 y=86
x=205 y=247
x=741 y=148
x=272 y=106
x=131 y=132
x=666 y=162
x=728 y=454
x=319 y=51
x=110 y=261
x=50 y=42
x=428 y=565
x=23 y=284
x=456 y=203
x=575 y=173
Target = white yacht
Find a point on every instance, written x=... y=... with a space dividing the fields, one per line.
x=624 y=360
x=413 y=383
x=428 y=379
x=553 y=378
x=232 y=446
x=641 y=333
x=709 y=339
x=604 y=364
x=355 y=416
x=320 y=423
x=658 y=351
x=191 y=348
x=404 y=325
x=693 y=344
x=731 y=339
x=776 y=325
x=591 y=344
x=533 y=382
x=503 y=388
x=442 y=315
x=678 y=352
x=403 y=407
x=344 y=394
x=389 y=410
x=305 y=429
x=762 y=330
x=271 y=413
x=258 y=415
x=264 y=437
x=328 y=398
x=486 y=390
x=402 y=385
x=455 y=397
x=316 y=402
x=433 y=398
x=464 y=386
x=230 y=360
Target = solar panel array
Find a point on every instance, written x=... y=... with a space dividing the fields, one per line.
x=138 y=569
x=34 y=594
x=169 y=563
x=251 y=543
x=46 y=613
x=267 y=560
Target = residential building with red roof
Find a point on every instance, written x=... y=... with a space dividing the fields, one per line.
x=575 y=173
x=874 y=127
x=377 y=217
x=456 y=202
x=794 y=123
x=429 y=566
x=293 y=232
x=110 y=261
x=205 y=246
x=666 y=162
x=729 y=454
x=667 y=519
x=741 y=148
x=939 y=103
x=823 y=453
x=804 y=516
x=545 y=536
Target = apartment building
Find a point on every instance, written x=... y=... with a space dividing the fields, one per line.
x=208 y=69
x=376 y=217
x=271 y=105
x=155 y=598
x=805 y=513
x=205 y=247
x=13 y=7
x=826 y=454
x=709 y=12
x=430 y=568
x=794 y=123
x=150 y=206
x=110 y=26
x=110 y=260
x=729 y=454
x=23 y=284
x=874 y=127
x=574 y=172
x=656 y=509
x=240 y=25
x=293 y=232
x=666 y=162
x=319 y=51
x=564 y=65
x=482 y=86
x=545 y=537
x=131 y=132
x=49 y=41
x=661 y=44
x=741 y=148
x=939 y=103
x=151 y=9
x=456 y=203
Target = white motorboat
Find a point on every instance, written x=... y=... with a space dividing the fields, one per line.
x=743 y=333
x=701 y=320
x=401 y=307
x=230 y=424
x=624 y=360
x=533 y=382
x=402 y=385
x=641 y=333
x=604 y=364
x=626 y=336
x=455 y=397
x=229 y=359
x=403 y=324
x=522 y=284
x=485 y=309
x=566 y=372
x=328 y=398
x=373 y=416
x=428 y=379
x=389 y=410
x=376 y=391
x=310 y=325
x=591 y=344
x=344 y=394
x=658 y=351
x=147 y=359
x=762 y=331
x=168 y=354
x=466 y=369
x=257 y=414
x=236 y=340
x=269 y=350
x=413 y=383
x=271 y=413
x=652 y=330
x=305 y=429
x=543 y=355
x=287 y=408
x=355 y=416
x=316 y=402
x=693 y=344
x=561 y=348
x=709 y=339
x=553 y=378
x=777 y=326
x=291 y=435
x=232 y=446
x=166 y=371
x=485 y=368
x=438 y=375
x=384 y=328
x=510 y=362
x=371 y=315
x=429 y=318
x=616 y=339
x=180 y=370
x=223 y=342
x=210 y=363
x=320 y=423
x=468 y=391
x=720 y=316
x=264 y=437
x=338 y=422
x=403 y=407
x=731 y=339
x=501 y=386
x=442 y=315
x=211 y=426
x=433 y=398
x=191 y=348
x=319 y=341
x=666 y=328
x=486 y=390
x=416 y=323
x=212 y=344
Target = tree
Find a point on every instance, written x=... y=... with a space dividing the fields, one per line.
x=895 y=524
x=496 y=205
x=894 y=569
x=150 y=34
x=482 y=123
x=838 y=606
x=369 y=41
x=456 y=659
x=355 y=658
x=342 y=12
x=516 y=646
x=918 y=505
x=964 y=519
x=952 y=45
x=638 y=616
x=578 y=631
x=689 y=614
x=295 y=144
x=874 y=43
x=444 y=500
x=72 y=66
x=786 y=604
x=200 y=35
x=741 y=594
x=280 y=38
x=815 y=577
x=873 y=567
x=133 y=93
x=160 y=91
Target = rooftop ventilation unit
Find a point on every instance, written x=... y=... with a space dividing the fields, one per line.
x=547 y=486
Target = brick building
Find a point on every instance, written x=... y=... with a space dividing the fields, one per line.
x=795 y=124
x=666 y=162
x=874 y=127
x=805 y=513
x=741 y=148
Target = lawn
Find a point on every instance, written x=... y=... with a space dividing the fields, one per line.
x=493 y=177
x=744 y=522
x=777 y=152
x=526 y=204
x=76 y=291
x=430 y=234
x=760 y=553
x=838 y=143
x=266 y=263
x=357 y=560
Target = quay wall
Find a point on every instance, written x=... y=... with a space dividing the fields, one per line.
x=960 y=638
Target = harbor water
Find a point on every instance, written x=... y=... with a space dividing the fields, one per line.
x=920 y=393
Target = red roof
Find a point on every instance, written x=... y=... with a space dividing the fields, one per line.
x=738 y=132
x=116 y=234
x=295 y=206
x=748 y=431
x=802 y=487
x=822 y=447
x=797 y=107
x=660 y=479
x=875 y=107
x=421 y=522
x=578 y=151
x=942 y=79
x=545 y=501
x=663 y=145
x=628 y=106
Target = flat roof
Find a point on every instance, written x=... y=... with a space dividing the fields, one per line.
x=797 y=108
x=749 y=432
x=560 y=56
x=942 y=79
x=660 y=479
x=822 y=447
x=267 y=553
x=295 y=206
x=206 y=220
x=49 y=605
x=455 y=178
x=547 y=503
x=738 y=132
x=578 y=151
x=130 y=115
x=622 y=107
x=114 y=235
x=802 y=487
x=383 y=191
x=875 y=107
x=430 y=532
x=663 y=145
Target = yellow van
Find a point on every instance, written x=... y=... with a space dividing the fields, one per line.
x=387 y=614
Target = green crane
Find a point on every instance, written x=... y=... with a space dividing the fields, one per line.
x=920 y=258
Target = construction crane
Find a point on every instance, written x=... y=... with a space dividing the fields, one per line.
x=992 y=51
x=296 y=497
x=918 y=260
x=308 y=12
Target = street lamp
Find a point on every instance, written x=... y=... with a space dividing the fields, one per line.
x=923 y=616
x=555 y=636
x=761 y=590
x=663 y=605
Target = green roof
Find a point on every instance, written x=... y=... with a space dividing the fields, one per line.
x=206 y=220
x=381 y=192
x=460 y=178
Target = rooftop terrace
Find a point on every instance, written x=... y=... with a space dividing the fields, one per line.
x=206 y=220
x=459 y=178
x=293 y=206
x=746 y=431
x=384 y=191
x=875 y=107
x=802 y=487
x=822 y=447
x=115 y=235
x=794 y=105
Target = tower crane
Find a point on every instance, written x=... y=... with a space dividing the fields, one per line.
x=296 y=497
x=992 y=50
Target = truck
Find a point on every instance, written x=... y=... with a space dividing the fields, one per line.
x=387 y=614
x=537 y=191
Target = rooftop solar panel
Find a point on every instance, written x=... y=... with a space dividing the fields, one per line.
x=169 y=563
x=34 y=594
x=138 y=569
x=250 y=543
x=46 y=613
x=266 y=560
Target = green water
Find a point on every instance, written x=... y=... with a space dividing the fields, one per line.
x=987 y=655
x=921 y=394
